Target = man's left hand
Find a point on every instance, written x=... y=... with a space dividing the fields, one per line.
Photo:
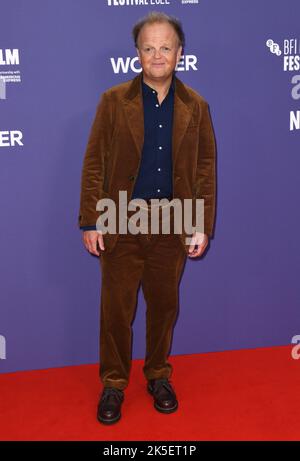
x=199 y=239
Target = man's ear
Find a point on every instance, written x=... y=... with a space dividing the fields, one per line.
x=179 y=54
x=138 y=53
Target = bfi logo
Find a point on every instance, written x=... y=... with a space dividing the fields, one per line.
x=120 y=65
x=2 y=347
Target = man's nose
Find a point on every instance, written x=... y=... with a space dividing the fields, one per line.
x=157 y=53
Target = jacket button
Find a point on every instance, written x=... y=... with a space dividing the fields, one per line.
x=131 y=177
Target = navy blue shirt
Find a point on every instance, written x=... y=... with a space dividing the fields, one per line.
x=154 y=178
x=155 y=173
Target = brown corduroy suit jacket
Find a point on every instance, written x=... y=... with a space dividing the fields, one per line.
x=114 y=148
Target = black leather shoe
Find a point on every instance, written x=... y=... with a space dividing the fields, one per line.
x=109 y=406
x=164 y=396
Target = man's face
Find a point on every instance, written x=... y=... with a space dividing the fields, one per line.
x=158 y=50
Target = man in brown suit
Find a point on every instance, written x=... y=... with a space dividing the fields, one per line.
x=151 y=137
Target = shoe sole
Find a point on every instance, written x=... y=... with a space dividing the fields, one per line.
x=108 y=421
x=163 y=410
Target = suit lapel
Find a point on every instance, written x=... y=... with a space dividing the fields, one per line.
x=133 y=106
x=182 y=115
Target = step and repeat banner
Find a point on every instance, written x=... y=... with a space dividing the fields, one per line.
x=56 y=59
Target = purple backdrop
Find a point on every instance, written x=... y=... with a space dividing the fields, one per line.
x=245 y=292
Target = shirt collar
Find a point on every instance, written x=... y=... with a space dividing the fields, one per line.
x=147 y=89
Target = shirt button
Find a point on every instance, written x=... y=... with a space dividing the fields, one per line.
x=160 y=147
x=157 y=105
x=153 y=91
x=158 y=169
x=158 y=190
x=160 y=126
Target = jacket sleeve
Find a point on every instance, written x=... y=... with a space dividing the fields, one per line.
x=206 y=170
x=93 y=169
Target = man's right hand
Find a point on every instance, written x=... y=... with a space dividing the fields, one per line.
x=90 y=240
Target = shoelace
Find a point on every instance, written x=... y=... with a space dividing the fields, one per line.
x=108 y=391
x=164 y=382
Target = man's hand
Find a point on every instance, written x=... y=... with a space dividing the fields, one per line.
x=199 y=239
x=90 y=239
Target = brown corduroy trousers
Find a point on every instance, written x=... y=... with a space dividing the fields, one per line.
x=156 y=261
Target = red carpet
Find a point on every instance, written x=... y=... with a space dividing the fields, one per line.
x=249 y=394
